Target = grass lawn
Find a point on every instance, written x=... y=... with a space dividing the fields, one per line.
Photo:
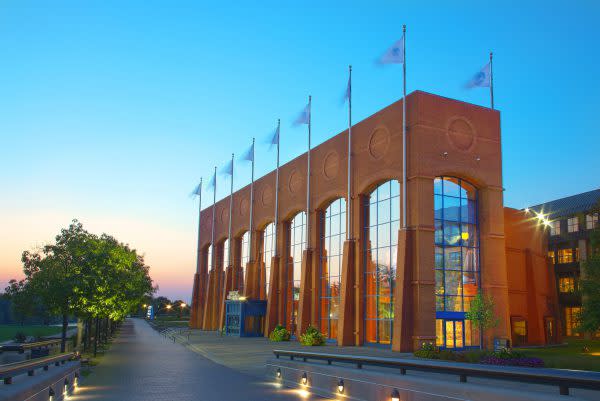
x=570 y=356
x=8 y=331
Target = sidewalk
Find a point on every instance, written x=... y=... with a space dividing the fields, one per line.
x=142 y=365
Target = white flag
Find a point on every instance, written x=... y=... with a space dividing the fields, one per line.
x=198 y=189
x=274 y=138
x=213 y=181
x=482 y=79
x=227 y=169
x=347 y=92
x=303 y=117
x=249 y=155
x=395 y=54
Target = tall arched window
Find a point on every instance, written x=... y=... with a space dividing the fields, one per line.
x=244 y=259
x=382 y=217
x=209 y=261
x=332 y=247
x=225 y=253
x=267 y=254
x=297 y=244
x=456 y=260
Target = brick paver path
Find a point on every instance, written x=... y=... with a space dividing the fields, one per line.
x=142 y=365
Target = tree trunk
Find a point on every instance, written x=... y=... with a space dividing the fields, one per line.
x=65 y=324
x=481 y=346
x=86 y=335
x=96 y=337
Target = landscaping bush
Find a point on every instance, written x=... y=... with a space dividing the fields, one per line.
x=527 y=362
x=504 y=357
x=312 y=336
x=20 y=337
x=280 y=333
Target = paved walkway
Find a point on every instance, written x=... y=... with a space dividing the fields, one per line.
x=143 y=365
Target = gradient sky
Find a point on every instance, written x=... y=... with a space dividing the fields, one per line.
x=111 y=111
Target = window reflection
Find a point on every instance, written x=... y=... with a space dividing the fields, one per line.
x=244 y=259
x=456 y=257
x=268 y=250
x=297 y=244
x=332 y=245
x=381 y=232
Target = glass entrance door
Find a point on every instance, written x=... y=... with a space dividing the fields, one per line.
x=454 y=333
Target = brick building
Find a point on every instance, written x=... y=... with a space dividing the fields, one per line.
x=384 y=285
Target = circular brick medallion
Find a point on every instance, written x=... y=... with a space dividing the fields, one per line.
x=295 y=182
x=461 y=134
x=379 y=143
x=244 y=205
x=331 y=165
x=267 y=195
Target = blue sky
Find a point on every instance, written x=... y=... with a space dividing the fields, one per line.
x=111 y=111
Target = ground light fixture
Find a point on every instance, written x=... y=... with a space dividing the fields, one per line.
x=51 y=393
x=304 y=379
x=395 y=395
x=278 y=373
x=340 y=386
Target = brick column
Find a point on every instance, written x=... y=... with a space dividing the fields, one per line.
x=306 y=293
x=346 y=320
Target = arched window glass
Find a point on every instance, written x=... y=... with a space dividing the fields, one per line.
x=456 y=260
x=225 y=253
x=297 y=244
x=268 y=252
x=209 y=261
x=333 y=234
x=244 y=259
x=382 y=219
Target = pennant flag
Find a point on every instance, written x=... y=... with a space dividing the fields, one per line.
x=227 y=169
x=482 y=79
x=274 y=141
x=303 y=117
x=249 y=154
x=212 y=182
x=395 y=54
x=346 y=94
x=198 y=190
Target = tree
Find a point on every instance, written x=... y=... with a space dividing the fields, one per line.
x=88 y=276
x=17 y=293
x=589 y=317
x=481 y=314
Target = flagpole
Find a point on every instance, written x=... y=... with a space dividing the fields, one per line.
x=349 y=232
x=404 y=128
x=276 y=221
x=212 y=235
x=199 y=225
x=491 y=81
x=251 y=207
x=308 y=176
x=230 y=214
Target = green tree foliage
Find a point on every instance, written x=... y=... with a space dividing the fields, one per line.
x=87 y=276
x=589 y=318
x=481 y=314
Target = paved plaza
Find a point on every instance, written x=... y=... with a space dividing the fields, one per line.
x=143 y=365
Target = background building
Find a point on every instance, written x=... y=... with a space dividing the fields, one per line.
x=374 y=283
x=571 y=220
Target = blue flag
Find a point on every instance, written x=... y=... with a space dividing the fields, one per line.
x=274 y=138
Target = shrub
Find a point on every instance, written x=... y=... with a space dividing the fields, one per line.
x=312 y=336
x=20 y=337
x=521 y=361
x=280 y=333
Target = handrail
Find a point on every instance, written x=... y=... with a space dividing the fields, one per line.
x=8 y=371
x=23 y=346
x=563 y=379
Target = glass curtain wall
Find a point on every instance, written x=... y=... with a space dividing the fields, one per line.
x=297 y=244
x=333 y=235
x=268 y=250
x=381 y=248
x=244 y=258
x=456 y=261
